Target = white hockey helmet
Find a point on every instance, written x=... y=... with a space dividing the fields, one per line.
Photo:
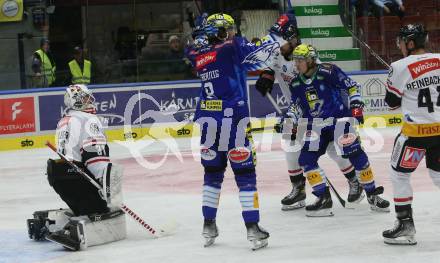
x=79 y=97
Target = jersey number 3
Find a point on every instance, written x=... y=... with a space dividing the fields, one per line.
x=209 y=89
x=424 y=99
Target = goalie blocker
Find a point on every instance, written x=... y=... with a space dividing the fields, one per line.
x=93 y=218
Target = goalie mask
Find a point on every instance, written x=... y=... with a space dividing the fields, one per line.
x=79 y=97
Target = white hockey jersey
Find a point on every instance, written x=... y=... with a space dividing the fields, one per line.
x=416 y=80
x=285 y=71
x=80 y=137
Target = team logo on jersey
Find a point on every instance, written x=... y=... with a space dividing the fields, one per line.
x=411 y=157
x=421 y=67
x=239 y=154
x=207 y=154
x=262 y=54
x=315 y=104
x=205 y=59
x=94 y=128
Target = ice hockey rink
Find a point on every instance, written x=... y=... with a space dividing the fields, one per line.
x=173 y=193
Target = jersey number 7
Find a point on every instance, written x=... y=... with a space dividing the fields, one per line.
x=424 y=99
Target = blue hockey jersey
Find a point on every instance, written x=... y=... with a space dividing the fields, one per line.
x=222 y=67
x=326 y=94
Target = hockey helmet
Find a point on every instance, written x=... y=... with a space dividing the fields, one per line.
x=286 y=26
x=218 y=25
x=414 y=32
x=304 y=51
x=79 y=97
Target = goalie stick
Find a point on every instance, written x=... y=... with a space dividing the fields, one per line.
x=155 y=232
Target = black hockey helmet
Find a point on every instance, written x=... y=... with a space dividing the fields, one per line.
x=414 y=32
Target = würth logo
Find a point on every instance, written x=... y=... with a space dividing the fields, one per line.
x=419 y=68
x=205 y=59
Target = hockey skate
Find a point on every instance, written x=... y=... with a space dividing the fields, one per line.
x=322 y=206
x=71 y=237
x=37 y=228
x=45 y=222
x=376 y=202
x=355 y=194
x=403 y=232
x=296 y=199
x=210 y=232
x=257 y=236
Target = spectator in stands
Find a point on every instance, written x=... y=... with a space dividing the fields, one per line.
x=80 y=68
x=43 y=65
x=175 y=56
x=175 y=48
x=394 y=7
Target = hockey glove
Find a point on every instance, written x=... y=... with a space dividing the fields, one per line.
x=265 y=82
x=357 y=112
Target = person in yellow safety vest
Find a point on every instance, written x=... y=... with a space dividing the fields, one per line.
x=43 y=65
x=80 y=68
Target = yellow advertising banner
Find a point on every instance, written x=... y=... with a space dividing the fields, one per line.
x=11 y=10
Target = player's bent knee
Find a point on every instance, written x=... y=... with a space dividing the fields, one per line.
x=246 y=180
x=214 y=176
x=307 y=161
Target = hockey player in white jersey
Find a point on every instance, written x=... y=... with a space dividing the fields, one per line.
x=413 y=85
x=94 y=217
x=283 y=70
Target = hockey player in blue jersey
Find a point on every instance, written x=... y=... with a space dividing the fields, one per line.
x=317 y=98
x=285 y=32
x=223 y=116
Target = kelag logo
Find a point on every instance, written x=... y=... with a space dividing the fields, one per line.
x=27 y=143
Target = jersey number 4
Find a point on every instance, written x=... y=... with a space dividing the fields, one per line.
x=424 y=99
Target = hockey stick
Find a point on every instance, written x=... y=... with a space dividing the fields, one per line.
x=353 y=35
x=342 y=201
x=153 y=231
x=375 y=55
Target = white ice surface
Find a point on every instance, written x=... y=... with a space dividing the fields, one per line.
x=173 y=193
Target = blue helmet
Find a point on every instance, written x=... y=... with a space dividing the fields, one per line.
x=286 y=26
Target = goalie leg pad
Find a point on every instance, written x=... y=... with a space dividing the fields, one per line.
x=79 y=194
x=111 y=227
x=112 y=184
x=84 y=231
